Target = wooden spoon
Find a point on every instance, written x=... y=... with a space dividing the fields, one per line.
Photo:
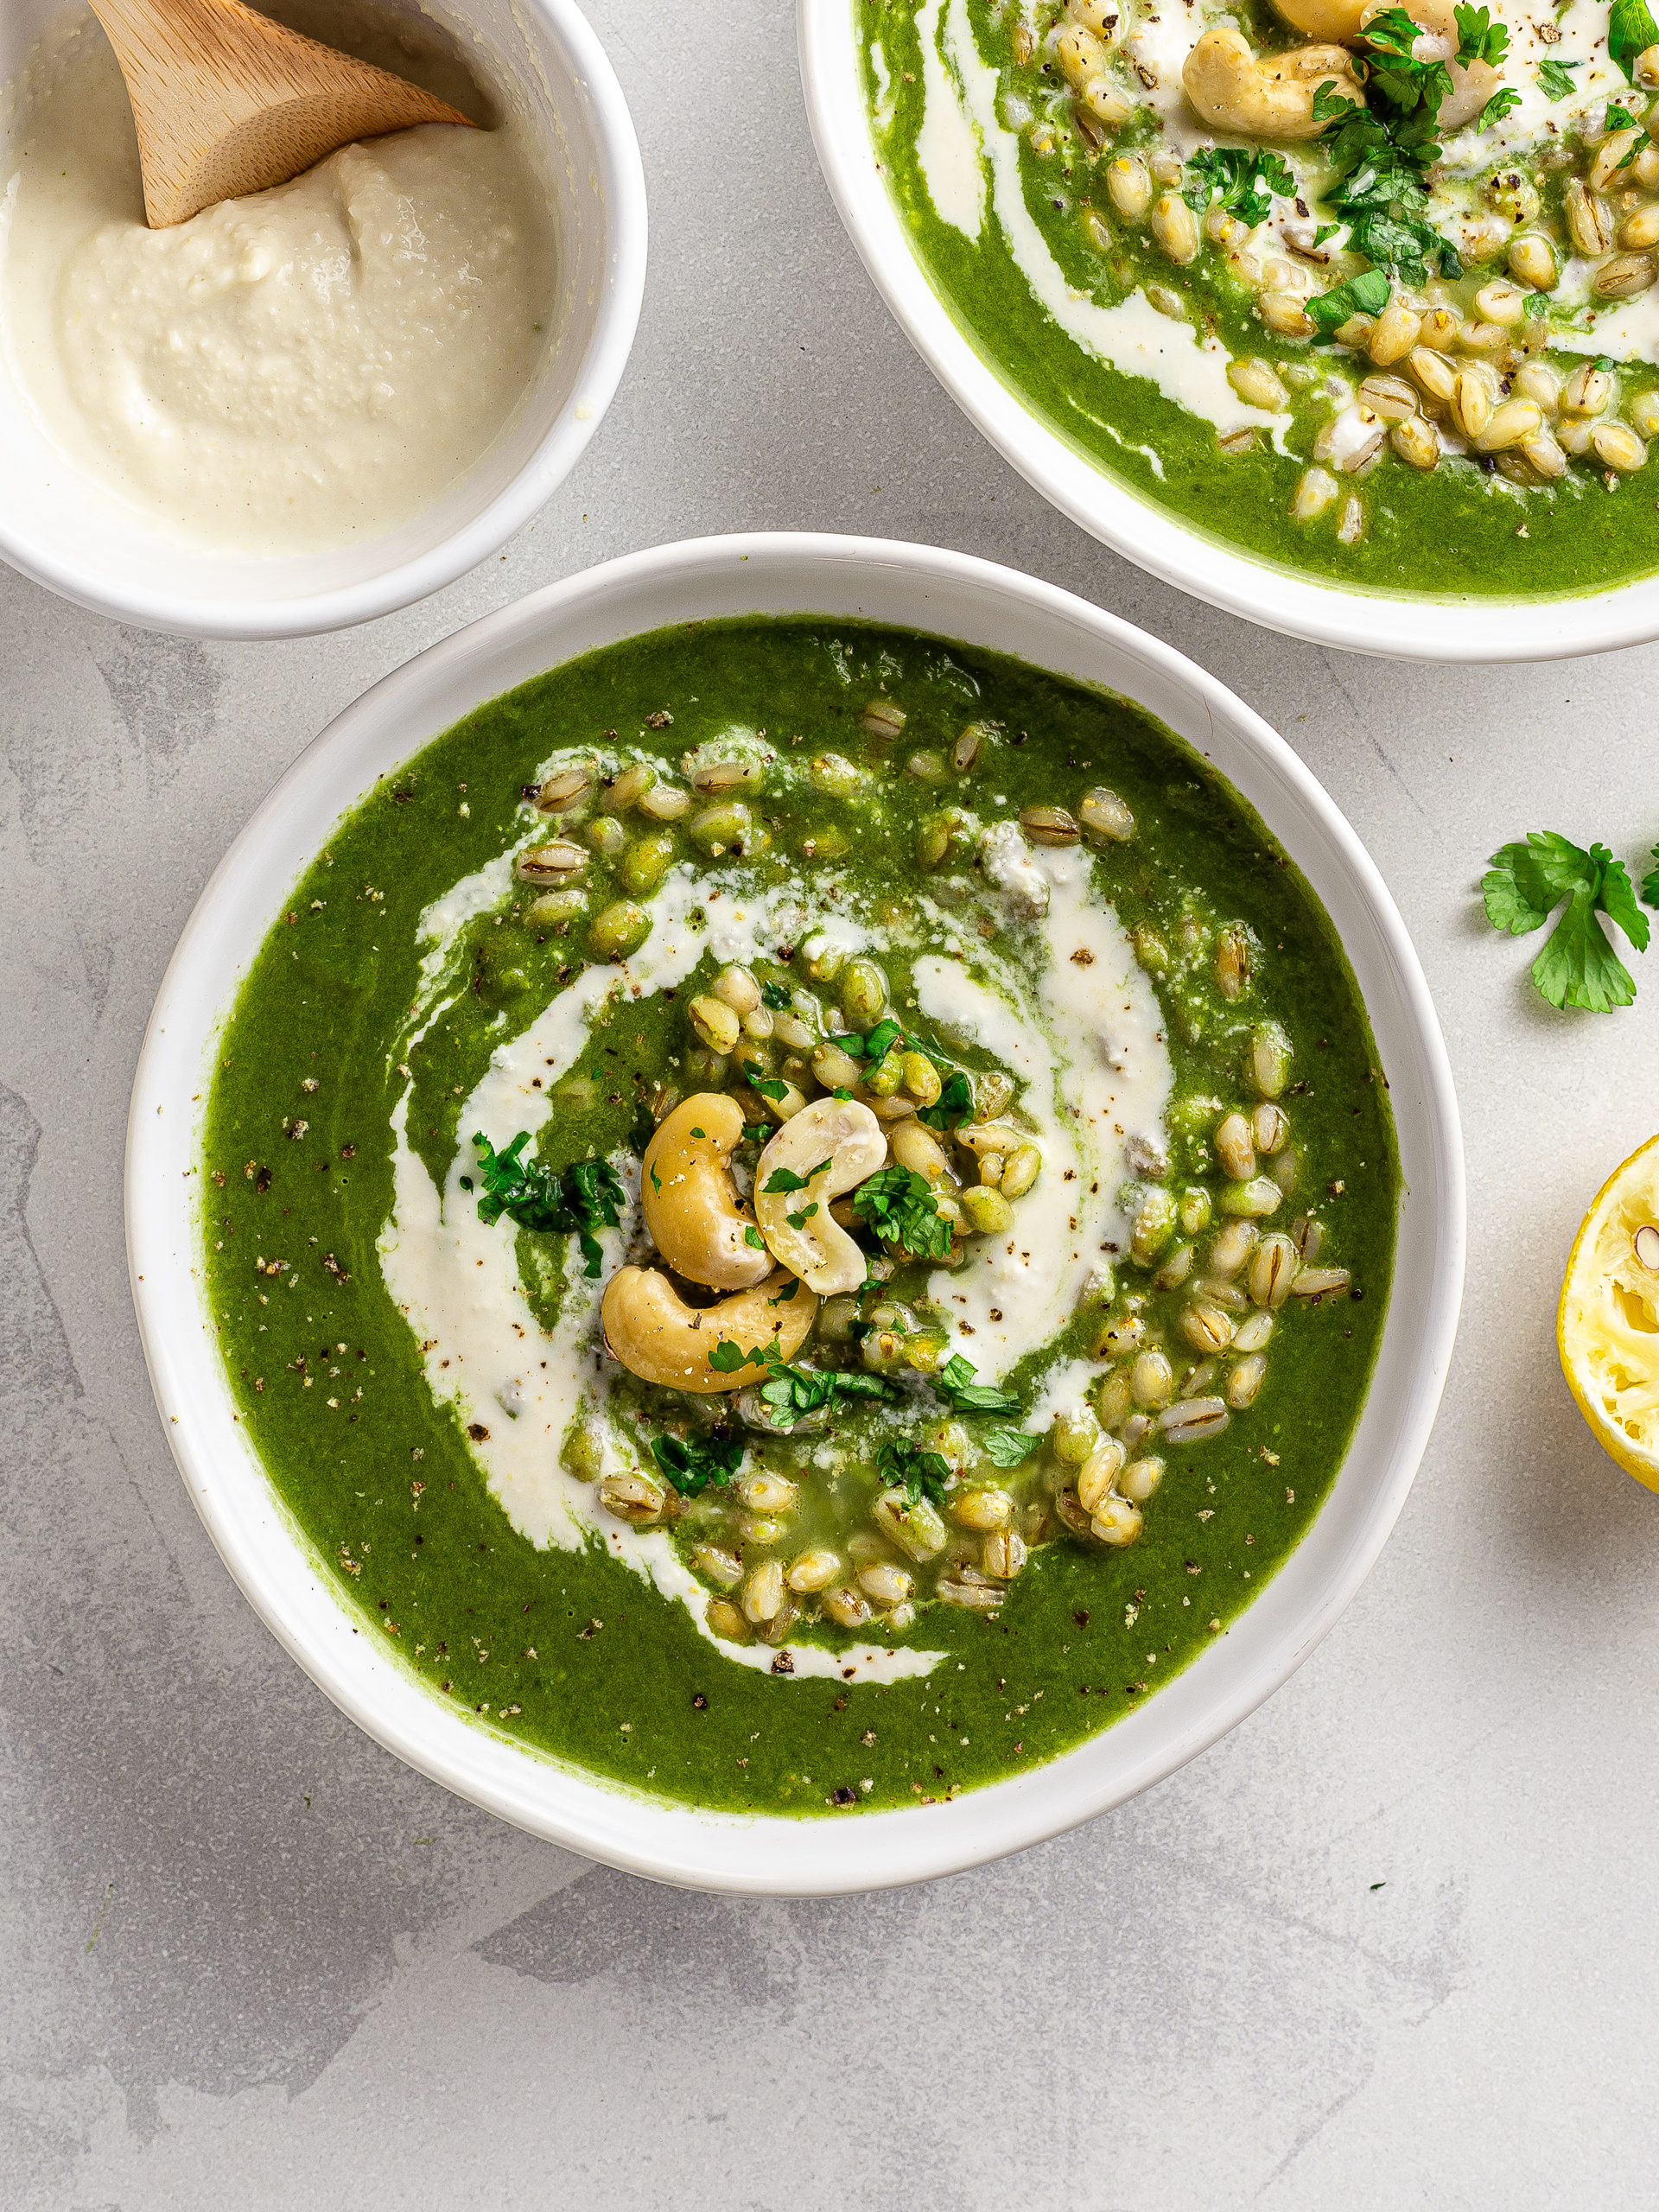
x=227 y=102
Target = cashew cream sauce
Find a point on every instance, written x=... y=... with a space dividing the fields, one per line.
x=1091 y=1056
x=295 y=371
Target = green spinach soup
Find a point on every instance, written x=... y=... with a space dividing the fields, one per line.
x=800 y=1215
x=1363 y=290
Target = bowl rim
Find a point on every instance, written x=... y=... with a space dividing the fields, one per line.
x=620 y=184
x=1154 y=538
x=754 y=1854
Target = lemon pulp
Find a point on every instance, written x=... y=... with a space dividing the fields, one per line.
x=1607 y=1326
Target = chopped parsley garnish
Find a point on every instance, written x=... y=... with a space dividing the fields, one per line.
x=785 y=1180
x=1243 y=179
x=1500 y=104
x=954 y=1383
x=579 y=1198
x=799 y=1220
x=1479 y=39
x=1630 y=31
x=898 y=1204
x=769 y=1087
x=918 y=1474
x=789 y=1392
x=876 y=1044
x=1366 y=295
x=1535 y=309
x=1578 y=967
x=954 y=1103
x=1556 y=78
x=691 y=1465
x=1620 y=118
x=1006 y=1447
x=776 y=996
x=727 y=1357
x=752 y=1238
x=1383 y=149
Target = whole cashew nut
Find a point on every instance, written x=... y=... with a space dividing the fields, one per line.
x=1338 y=20
x=657 y=1336
x=1268 y=98
x=690 y=1205
x=831 y=1147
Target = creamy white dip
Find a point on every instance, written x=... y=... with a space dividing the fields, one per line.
x=289 y=373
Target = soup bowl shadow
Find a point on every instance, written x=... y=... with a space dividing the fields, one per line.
x=976 y=603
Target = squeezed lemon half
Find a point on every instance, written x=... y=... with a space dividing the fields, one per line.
x=1607 y=1325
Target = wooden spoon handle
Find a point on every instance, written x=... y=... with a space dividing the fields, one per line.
x=226 y=102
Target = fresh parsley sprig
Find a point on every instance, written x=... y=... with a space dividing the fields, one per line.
x=898 y=1204
x=579 y=1198
x=1578 y=966
x=692 y=1464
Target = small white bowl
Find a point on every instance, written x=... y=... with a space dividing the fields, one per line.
x=914 y=587
x=67 y=534
x=1394 y=624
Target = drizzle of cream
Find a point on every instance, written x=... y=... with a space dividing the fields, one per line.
x=1131 y=336
x=946 y=149
x=1090 y=1052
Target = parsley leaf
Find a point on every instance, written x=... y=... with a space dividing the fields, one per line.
x=899 y=1207
x=753 y=1239
x=1554 y=77
x=881 y=1038
x=789 y=1392
x=785 y=1180
x=726 y=1357
x=1578 y=967
x=769 y=1087
x=1479 y=39
x=1243 y=179
x=954 y=1383
x=1006 y=1447
x=954 y=1103
x=1630 y=31
x=1366 y=295
x=776 y=996
x=1650 y=881
x=919 y=1474
x=1500 y=104
x=700 y=1460
x=579 y=1198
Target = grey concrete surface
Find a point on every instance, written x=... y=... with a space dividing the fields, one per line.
x=1391 y=1944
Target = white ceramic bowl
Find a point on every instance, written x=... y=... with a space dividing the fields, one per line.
x=67 y=534
x=957 y=597
x=1475 y=629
